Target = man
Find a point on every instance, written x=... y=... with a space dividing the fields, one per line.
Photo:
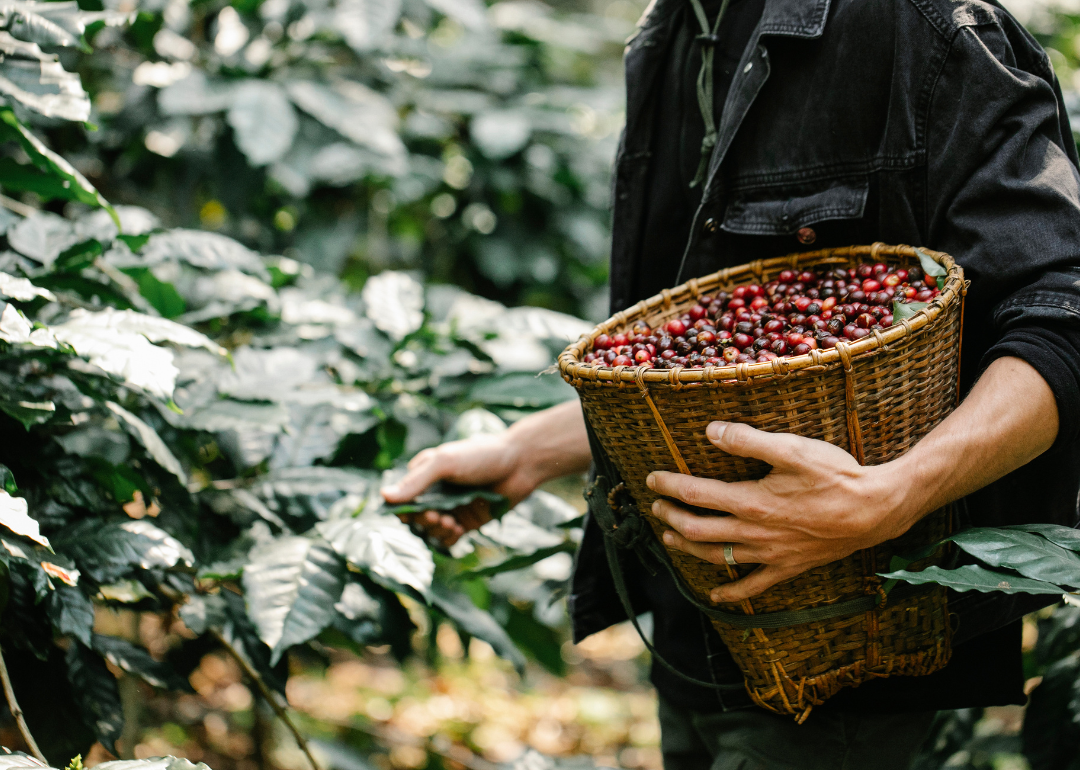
x=927 y=122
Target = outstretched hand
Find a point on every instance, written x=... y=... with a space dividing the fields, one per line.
x=815 y=506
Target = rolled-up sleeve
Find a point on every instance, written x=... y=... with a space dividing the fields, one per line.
x=1003 y=197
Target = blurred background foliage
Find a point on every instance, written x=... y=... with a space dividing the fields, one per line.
x=372 y=206
x=470 y=143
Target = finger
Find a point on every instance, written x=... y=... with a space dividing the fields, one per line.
x=737 y=497
x=416 y=480
x=699 y=528
x=759 y=580
x=710 y=552
x=782 y=450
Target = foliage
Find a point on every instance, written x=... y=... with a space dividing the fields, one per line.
x=471 y=143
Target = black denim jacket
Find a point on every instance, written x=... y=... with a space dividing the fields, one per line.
x=928 y=122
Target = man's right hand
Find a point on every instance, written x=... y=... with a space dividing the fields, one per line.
x=480 y=461
x=542 y=446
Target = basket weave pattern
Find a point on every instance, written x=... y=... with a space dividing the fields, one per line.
x=874 y=398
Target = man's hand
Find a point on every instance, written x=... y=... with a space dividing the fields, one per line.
x=480 y=461
x=818 y=504
x=542 y=446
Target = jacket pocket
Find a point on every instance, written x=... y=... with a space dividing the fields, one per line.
x=846 y=200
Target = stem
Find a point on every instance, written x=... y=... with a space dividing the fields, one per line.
x=16 y=712
x=267 y=695
x=19 y=208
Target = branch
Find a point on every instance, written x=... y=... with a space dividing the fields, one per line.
x=267 y=695
x=16 y=712
x=19 y=208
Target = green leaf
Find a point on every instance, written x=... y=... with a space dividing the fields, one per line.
x=11 y=129
x=972 y=577
x=443 y=496
x=461 y=611
x=1066 y=537
x=7 y=480
x=14 y=517
x=544 y=644
x=163 y=296
x=135 y=660
x=522 y=391
x=905 y=310
x=71 y=612
x=291 y=585
x=108 y=551
x=203 y=612
x=29 y=413
x=242 y=634
x=1028 y=554
x=391 y=438
x=22 y=177
x=150 y=440
x=384 y=547
x=519 y=562
x=77 y=257
x=932 y=268
x=96 y=694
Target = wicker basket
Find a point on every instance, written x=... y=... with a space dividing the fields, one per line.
x=875 y=398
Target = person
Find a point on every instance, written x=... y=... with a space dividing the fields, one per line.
x=791 y=125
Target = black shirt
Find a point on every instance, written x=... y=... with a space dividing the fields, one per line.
x=985 y=670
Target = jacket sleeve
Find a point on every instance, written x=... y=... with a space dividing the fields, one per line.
x=1003 y=197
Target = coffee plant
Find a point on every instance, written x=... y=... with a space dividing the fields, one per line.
x=469 y=143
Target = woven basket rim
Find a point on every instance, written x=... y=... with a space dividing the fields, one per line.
x=573 y=368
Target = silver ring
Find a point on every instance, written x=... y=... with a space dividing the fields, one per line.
x=729 y=554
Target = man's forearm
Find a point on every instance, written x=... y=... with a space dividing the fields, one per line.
x=553 y=441
x=1008 y=419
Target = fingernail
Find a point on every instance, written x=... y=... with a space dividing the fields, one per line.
x=390 y=490
x=650 y=481
x=715 y=431
x=669 y=539
x=656 y=507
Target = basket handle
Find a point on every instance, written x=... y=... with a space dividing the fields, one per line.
x=639 y=376
x=855 y=439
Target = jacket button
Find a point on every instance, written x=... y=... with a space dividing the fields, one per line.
x=710 y=226
x=806 y=235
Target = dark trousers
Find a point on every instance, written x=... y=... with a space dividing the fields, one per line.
x=755 y=739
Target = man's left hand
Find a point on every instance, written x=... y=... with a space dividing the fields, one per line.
x=815 y=506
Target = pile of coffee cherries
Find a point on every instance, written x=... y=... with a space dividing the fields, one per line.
x=790 y=316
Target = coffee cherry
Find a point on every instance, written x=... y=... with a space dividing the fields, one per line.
x=676 y=327
x=622 y=360
x=736 y=304
x=603 y=342
x=642 y=356
x=742 y=341
x=779 y=347
x=730 y=354
x=697 y=312
x=705 y=337
x=801 y=349
x=786 y=276
x=887 y=320
x=619 y=340
x=829 y=342
x=864 y=321
x=708 y=352
x=864 y=271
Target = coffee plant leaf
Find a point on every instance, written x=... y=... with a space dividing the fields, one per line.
x=263 y=121
x=19 y=761
x=291 y=585
x=98 y=225
x=444 y=496
x=242 y=634
x=932 y=268
x=195 y=94
x=42 y=237
x=136 y=660
x=1029 y=554
x=314 y=492
x=463 y=613
x=204 y=250
x=155 y=763
x=21 y=290
x=15 y=517
x=7 y=480
x=154 y=329
x=129 y=591
x=150 y=440
x=71 y=612
x=1066 y=537
x=50 y=162
x=394 y=301
x=384 y=547
x=108 y=551
x=519 y=562
x=522 y=391
x=202 y=612
x=971 y=577
x=96 y=694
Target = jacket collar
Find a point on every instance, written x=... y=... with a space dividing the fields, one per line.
x=794 y=18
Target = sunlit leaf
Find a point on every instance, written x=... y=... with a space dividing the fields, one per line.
x=384 y=546
x=14 y=517
x=263 y=121
x=291 y=585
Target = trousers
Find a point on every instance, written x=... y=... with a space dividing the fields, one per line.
x=755 y=739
